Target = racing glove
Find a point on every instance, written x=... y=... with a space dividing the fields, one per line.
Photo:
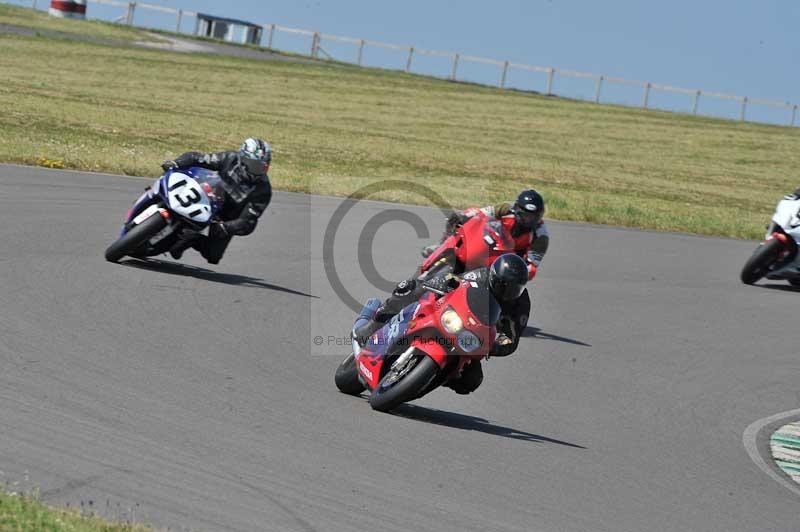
x=169 y=165
x=531 y=271
x=217 y=230
x=456 y=219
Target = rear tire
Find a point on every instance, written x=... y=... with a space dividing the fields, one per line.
x=133 y=239
x=757 y=266
x=347 y=377
x=410 y=386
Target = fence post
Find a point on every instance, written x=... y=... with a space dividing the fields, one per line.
x=271 y=35
x=744 y=109
x=551 y=72
x=180 y=17
x=131 y=11
x=695 y=102
x=794 y=113
x=410 y=56
x=360 y=51
x=597 y=89
x=33 y=4
x=503 y=75
x=455 y=67
x=646 y=94
x=314 y=45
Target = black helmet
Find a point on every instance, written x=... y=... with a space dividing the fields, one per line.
x=507 y=277
x=255 y=156
x=529 y=209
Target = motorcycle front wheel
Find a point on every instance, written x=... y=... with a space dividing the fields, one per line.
x=401 y=384
x=758 y=265
x=133 y=239
x=346 y=377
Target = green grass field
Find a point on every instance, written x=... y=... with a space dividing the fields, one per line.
x=38 y=20
x=25 y=514
x=335 y=128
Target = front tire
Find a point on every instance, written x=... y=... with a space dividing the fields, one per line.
x=410 y=386
x=757 y=266
x=346 y=377
x=133 y=239
x=795 y=282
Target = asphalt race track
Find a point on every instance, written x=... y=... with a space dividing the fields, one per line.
x=189 y=395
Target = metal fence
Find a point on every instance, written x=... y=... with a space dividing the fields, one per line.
x=317 y=41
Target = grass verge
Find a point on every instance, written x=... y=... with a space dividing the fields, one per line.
x=40 y=20
x=337 y=127
x=20 y=513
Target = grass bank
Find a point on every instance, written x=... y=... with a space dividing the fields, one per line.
x=40 y=20
x=336 y=127
x=24 y=513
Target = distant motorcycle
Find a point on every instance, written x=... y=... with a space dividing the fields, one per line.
x=475 y=244
x=180 y=199
x=777 y=257
x=422 y=347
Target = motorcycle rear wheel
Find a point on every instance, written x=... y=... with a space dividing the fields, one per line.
x=408 y=387
x=346 y=377
x=757 y=266
x=128 y=243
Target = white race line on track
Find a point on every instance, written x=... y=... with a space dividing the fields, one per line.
x=751 y=446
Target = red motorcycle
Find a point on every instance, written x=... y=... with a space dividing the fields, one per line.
x=475 y=244
x=428 y=343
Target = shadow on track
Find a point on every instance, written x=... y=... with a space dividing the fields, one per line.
x=185 y=270
x=782 y=287
x=464 y=422
x=535 y=332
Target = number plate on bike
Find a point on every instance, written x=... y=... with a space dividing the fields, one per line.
x=187 y=198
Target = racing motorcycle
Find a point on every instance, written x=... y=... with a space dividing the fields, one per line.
x=423 y=347
x=180 y=199
x=474 y=244
x=777 y=257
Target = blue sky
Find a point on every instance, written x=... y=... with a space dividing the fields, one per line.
x=742 y=48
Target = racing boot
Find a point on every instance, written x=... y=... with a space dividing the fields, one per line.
x=471 y=377
x=186 y=239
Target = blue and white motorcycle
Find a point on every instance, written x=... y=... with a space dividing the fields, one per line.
x=777 y=257
x=180 y=199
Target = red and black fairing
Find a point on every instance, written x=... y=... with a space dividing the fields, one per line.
x=475 y=244
x=419 y=325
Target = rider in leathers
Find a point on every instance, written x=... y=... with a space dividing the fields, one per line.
x=523 y=220
x=505 y=279
x=247 y=194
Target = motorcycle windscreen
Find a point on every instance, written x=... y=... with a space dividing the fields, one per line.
x=482 y=304
x=496 y=235
x=391 y=334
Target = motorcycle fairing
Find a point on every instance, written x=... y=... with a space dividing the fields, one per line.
x=787 y=217
x=210 y=202
x=371 y=358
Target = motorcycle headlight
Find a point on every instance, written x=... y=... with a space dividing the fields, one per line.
x=468 y=342
x=451 y=321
